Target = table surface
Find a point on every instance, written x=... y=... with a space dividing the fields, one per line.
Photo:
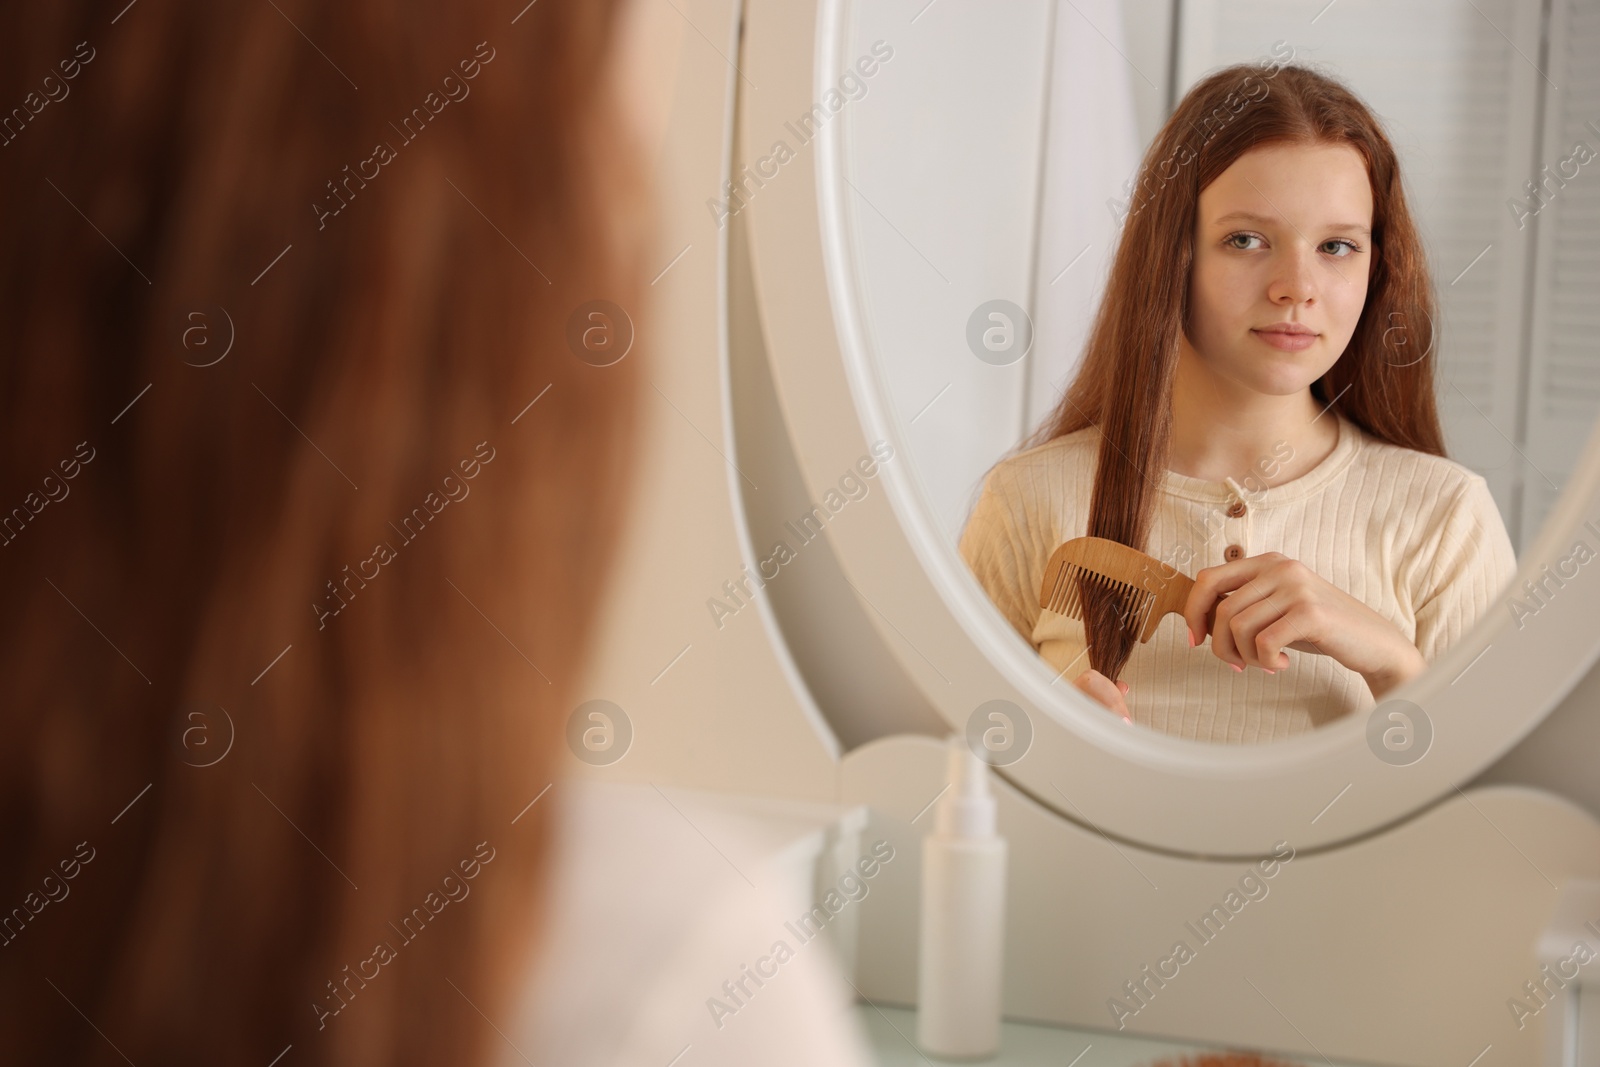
x=892 y=1032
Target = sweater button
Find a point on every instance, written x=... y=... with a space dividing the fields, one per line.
x=1236 y=509
x=1234 y=552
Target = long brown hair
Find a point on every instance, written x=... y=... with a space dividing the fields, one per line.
x=306 y=505
x=1384 y=381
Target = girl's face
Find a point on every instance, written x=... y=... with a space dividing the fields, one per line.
x=1282 y=256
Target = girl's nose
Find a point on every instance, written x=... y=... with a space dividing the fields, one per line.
x=1293 y=283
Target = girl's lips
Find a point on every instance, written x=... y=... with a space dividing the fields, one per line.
x=1287 y=342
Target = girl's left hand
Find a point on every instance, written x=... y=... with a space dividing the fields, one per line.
x=1264 y=604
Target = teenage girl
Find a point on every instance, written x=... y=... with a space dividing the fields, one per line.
x=1255 y=408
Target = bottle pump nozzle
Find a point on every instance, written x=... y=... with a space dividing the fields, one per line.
x=967 y=808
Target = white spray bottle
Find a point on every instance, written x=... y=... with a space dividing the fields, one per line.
x=963 y=917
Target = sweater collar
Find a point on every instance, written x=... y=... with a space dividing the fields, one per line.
x=1251 y=488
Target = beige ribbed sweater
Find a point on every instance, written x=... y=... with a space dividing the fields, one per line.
x=1417 y=538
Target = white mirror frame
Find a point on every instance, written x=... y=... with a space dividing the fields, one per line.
x=1316 y=790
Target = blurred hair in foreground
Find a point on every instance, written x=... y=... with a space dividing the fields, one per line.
x=171 y=584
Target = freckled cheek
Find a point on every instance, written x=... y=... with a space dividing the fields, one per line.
x=1221 y=296
x=1346 y=305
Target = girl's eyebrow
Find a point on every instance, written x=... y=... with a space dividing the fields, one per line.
x=1265 y=219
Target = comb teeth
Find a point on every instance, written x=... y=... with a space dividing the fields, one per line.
x=1065 y=599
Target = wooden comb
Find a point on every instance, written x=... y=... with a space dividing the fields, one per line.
x=1147 y=592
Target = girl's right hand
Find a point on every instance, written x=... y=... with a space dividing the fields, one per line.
x=1104 y=691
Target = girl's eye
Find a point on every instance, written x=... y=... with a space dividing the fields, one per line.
x=1332 y=247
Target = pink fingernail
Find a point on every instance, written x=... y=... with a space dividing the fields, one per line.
x=1269 y=670
x=1236 y=667
x=1191 y=636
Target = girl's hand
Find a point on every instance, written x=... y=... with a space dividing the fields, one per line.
x=1099 y=687
x=1255 y=607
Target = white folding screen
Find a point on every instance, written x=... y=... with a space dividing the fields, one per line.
x=1090 y=149
x=1563 y=395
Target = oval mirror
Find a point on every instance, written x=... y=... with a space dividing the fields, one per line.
x=928 y=274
